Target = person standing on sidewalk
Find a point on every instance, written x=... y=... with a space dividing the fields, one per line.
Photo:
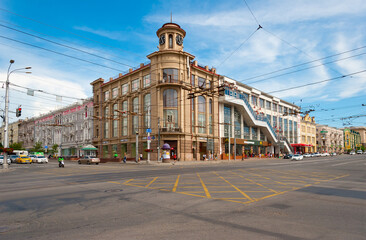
x=125 y=158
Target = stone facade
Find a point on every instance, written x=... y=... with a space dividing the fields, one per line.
x=177 y=101
x=308 y=135
x=13 y=129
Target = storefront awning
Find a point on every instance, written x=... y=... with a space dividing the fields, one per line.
x=301 y=145
x=89 y=147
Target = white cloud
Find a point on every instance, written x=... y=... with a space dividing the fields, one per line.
x=114 y=35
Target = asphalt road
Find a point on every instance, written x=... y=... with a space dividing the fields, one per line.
x=317 y=198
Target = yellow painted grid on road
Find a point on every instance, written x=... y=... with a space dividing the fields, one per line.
x=239 y=186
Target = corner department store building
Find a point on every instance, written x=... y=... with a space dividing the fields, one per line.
x=157 y=95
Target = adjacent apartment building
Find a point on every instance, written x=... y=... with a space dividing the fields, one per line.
x=173 y=99
x=329 y=139
x=352 y=140
x=308 y=135
x=362 y=132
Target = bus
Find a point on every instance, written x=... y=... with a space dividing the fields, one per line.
x=20 y=152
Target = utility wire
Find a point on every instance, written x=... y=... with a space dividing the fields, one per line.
x=63 y=30
x=259 y=27
x=302 y=69
x=49 y=50
x=301 y=64
x=250 y=10
x=309 y=84
x=66 y=46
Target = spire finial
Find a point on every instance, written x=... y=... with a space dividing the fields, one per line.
x=171 y=17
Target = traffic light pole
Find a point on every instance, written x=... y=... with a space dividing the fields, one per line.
x=6 y=117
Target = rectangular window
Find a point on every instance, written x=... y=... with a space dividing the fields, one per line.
x=146 y=80
x=268 y=105
x=114 y=92
x=124 y=118
x=135 y=85
x=227 y=120
x=106 y=95
x=123 y=149
x=274 y=105
x=170 y=75
x=254 y=133
x=280 y=109
x=193 y=80
x=285 y=110
x=261 y=102
x=105 y=151
x=254 y=100
x=201 y=123
x=201 y=82
x=124 y=89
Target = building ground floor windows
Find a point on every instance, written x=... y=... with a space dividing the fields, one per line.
x=243 y=148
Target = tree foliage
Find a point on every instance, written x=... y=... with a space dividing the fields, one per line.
x=37 y=147
x=17 y=146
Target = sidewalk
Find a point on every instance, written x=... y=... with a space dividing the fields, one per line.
x=207 y=162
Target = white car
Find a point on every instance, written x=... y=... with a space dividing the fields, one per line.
x=324 y=154
x=333 y=154
x=307 y=155
x=297 y=157
x=316 y=154
x=2 y=160
x=39 y=159
x=359 y=151
x=352 y=153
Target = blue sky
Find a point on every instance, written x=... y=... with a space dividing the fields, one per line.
x=293 y=33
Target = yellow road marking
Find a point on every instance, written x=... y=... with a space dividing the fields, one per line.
x=176 y=184
x=243 y=193
x=264 y=177
x=151 y=182
x=257 y=183
x=204 y=187
x=128 y=181
x=191 y=194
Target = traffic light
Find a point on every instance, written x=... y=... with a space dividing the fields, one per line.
x=18 y=112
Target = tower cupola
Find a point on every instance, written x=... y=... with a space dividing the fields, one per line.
x=171 y=37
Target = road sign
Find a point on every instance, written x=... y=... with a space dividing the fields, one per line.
x=148 y=138
x=153 y=137
x=148 y=130
x=46 y=147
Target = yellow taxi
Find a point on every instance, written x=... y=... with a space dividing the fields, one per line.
x=24 y=159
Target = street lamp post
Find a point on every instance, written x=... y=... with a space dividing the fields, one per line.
x=6 y=115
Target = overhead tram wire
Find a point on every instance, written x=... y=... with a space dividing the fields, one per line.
x=299 y=70
x=314 y=83
x=48 y=35
x=259 y=27
x=66 y=55
x=301 y=64
x=69 y=32
x=66 y=46
x=43 y=97
x=283 y=39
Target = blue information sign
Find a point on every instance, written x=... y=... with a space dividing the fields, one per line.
x=148 y=130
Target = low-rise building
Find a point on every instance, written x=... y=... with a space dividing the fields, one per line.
x=308 y=135
x=13 y=129
x=352 y=140
x=329 y=139
x=362 y=131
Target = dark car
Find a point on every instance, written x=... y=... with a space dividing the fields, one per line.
x=13 y=158
x=288 y=156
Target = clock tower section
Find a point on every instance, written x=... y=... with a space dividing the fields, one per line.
x=171 y=37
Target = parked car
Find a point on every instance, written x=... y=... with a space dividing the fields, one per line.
x=89 y=160
x=24 y=159
x=316 y=154
x=333 y=154
x=13 y=158
x=359 y=151
x=40 y=159
x=352 y=153
x=2 y=160
x=307 y=155
x=324 y=154
x=297 y=157
x=288 y=156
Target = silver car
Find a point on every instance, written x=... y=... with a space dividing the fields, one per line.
x=297 y=157
x=40 y=159
x=89 y=160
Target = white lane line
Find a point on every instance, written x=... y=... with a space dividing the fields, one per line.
x=346 y=163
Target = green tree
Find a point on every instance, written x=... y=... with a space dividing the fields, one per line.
x=17 y=146
x=37 y=147
x=54 y=148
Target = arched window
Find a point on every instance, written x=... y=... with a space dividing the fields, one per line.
x=201 y=114
x=106 y=122
x=170 y=41
x=124 y=118
x=170 y=104
x=115 y=121
x=135 y=119
x=147 y=109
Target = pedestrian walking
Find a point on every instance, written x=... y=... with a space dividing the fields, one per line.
x=125 y=158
